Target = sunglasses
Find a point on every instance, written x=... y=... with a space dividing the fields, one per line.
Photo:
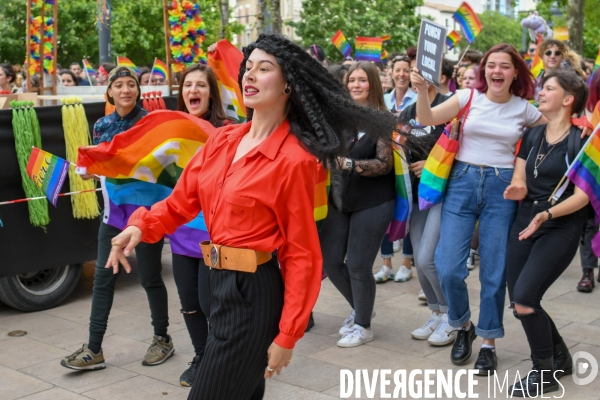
x=556 y=53
x=400 y=58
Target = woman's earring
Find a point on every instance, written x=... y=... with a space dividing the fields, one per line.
x=287 y=90
x=515 y=78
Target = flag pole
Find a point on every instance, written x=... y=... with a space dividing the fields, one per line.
x=86 y=72
x=44 y=197
x=463 y=55
x=151 y=71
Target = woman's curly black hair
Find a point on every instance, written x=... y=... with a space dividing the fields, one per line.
x=321 y=112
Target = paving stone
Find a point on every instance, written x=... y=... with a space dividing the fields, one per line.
x=168 y=372
x=310 y=374
x=21 y=352
x=119 y=350
x=138 y=388
x=54 y=394
x=277 y=390
x=78 y=311
x=14 y=384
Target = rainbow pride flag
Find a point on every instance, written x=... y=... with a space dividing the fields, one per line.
x=384 y=55
x=468 y=21
x=340 y=41
x=436 y=171
x=225 y=62
x=596 y=116
x=88 y=68
x=126 y=62
x=368 y=49
x=399 y=226
x=452 y=39
x=537 y=65
x=585 y=173
x=385 y=39
x=48 y=172
x=160 y=68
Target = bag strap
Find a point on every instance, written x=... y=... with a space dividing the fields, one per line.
x=464 y=112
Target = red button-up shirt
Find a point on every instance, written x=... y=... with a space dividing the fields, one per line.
x=264 y=201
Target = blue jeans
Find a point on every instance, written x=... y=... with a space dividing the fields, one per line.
x=474 y=193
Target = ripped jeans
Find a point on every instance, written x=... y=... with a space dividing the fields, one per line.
x=534 y=264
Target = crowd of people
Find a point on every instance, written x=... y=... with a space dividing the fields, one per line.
x=255 y=184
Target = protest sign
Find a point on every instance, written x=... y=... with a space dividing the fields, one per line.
x=430 y=51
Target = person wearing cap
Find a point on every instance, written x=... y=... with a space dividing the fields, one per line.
x=103 y=72
x=123 y=92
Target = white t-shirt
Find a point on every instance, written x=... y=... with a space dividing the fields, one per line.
x=492 y=130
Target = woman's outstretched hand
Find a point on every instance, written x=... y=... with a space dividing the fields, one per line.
x=122 y=245
x=535 y=223
x=417 y=80
x=515 y=192
x=278 y=357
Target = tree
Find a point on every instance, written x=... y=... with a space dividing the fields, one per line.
x=320 y=20
x=276 y=15
x=574 y=14
x=260 y=17
x=496 y=29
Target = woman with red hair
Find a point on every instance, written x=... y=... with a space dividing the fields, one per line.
x=483 y=169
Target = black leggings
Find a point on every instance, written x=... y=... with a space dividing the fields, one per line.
x=534 y=264
x=191 y=279
x=244 y=320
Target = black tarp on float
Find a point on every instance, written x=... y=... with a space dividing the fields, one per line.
x=23 y=247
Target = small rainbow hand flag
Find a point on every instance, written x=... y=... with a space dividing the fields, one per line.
x=404 y=198
x=537 y=65
x=385 y=39
x=585 y=173
x=368 y=49
x=452 y=39
x=160 y=69
x=89 y=69
x=126 y=62
x=468 y=21
x=340 y=41
x=384 y=55
x=48 y=172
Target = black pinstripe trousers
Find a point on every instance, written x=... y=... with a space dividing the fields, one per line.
x=244 y=319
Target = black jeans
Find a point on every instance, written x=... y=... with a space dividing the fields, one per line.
x=149 y=267
x=191 y=277
x=588 y=258
x=534 y=264
x=355 y=237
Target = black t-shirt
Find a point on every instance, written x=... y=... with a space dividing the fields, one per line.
x=427 y=135
x=362 y=192
x=551 y=170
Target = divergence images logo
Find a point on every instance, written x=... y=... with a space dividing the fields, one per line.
x=585 y=368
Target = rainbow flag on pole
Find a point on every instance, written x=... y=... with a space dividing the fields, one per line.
x=537 y=65
x=468 y=21
x=88 y=68
x=452 y=39
x=340 y=41
x=160 y=68
x=368 y=49
x=126 y=62
x=386 y=38
x=225 y=62
x=399 y=226
x=48 y=172
x=585 y=173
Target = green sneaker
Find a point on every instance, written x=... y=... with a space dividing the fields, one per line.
x=159 y=351
x=84 y=358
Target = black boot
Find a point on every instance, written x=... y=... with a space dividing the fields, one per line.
x=532 y=385
x=311 y=323
x=563 y=363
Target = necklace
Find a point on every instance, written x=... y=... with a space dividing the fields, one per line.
x=542 y=157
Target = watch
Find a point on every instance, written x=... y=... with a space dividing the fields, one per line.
x=349 y=164
x=549 y=214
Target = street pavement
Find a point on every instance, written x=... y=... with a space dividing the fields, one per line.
x=30 y=365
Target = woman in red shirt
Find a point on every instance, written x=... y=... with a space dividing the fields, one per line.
x=255 y=183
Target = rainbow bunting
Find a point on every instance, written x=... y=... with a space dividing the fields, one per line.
x=225 y=62
x=385 y=39
x=468 y=21
x=436 y=171
x=126 y=62
x=160 y=69
x=88 y=68
x=597 y=62
x=399 y=226
x=585 y=173
x=452 y=39
x=340 y=41
x=537 y=65
x=48 y=172
x=368 y=49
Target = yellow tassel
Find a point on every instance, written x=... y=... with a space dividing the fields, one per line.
x=77 y=134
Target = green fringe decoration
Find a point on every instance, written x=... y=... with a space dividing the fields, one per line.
x=26 y=130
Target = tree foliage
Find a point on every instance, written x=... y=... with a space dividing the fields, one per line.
x=320 y=20
x=497 y=29
x=137 y=30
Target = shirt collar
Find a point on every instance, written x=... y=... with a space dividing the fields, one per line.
x=271 y=145
x=408 y=96
x=131 y=115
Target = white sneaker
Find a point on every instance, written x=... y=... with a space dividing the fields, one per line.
x=356 y=337
x=426 y=330
x=384 y=274
x=348 y=324
x=396 y=246
x=444 y=334
x=421 y=296
x=471 y=260
x=404 y=274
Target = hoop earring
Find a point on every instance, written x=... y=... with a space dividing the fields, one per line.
x=287 y=90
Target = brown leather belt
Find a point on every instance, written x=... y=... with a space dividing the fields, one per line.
x=231 y=258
